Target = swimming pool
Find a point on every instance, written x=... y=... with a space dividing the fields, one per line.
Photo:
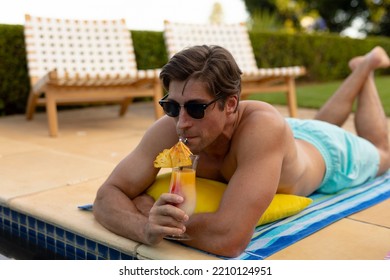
x=18 y=249
x=26 y=237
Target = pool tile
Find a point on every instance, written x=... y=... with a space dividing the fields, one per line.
x=80 y=241
x=91 y=246
x=32 y=223
x=6 y=213
x=56 y=240
x=51 y=248
x=32 y=236
x=14 y=216
x=7 y=225
x=80 y=254
x=69 y=237
x=102 y=251
x=50 y=241
x=60 y=234
x=50 y=230
x=91 y=256
x=23 y=232
x=41 y=227
x=60 y=246
x=70 y=251
x=76 y=226
x=126 y=257
x=23 y=219
x=15 y=228
x=113 y=254
x=41 y=239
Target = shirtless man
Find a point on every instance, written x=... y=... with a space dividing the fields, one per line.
x=246 y=144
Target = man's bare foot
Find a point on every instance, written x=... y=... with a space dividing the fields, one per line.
x=377 y=58
x=354 y=62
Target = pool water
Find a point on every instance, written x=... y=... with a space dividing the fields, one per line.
x=24 y=237
x=15 y=248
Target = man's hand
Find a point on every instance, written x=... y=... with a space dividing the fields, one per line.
x=165 y=218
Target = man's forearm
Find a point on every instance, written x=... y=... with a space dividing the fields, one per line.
x=216 y=235
x=116 y=212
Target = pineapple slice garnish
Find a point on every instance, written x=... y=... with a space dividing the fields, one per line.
x=177 y=156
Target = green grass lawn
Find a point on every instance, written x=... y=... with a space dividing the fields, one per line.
x=314 y=95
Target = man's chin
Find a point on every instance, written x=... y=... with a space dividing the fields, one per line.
x=193 y=145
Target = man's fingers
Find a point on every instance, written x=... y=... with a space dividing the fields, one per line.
x=169 y=198
x=165 y=218
x=169 y=211
x=168 y=220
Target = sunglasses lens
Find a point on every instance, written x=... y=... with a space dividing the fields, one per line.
x=171 y=108
x=195 y=110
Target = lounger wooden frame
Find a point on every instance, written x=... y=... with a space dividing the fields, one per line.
x=84 y=61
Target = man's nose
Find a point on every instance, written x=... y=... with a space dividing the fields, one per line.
x=184 y=120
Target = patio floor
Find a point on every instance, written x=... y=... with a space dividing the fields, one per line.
x=47 y=178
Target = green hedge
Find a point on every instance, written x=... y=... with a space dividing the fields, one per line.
x=149 y=48
x=14 y=81
x=325 y=57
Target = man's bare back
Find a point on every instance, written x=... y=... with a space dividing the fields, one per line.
x=303 y=166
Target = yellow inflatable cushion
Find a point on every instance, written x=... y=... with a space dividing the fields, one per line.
x=209 y=194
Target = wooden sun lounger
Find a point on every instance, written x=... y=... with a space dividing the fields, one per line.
x=83 y=61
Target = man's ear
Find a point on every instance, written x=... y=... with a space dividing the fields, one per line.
x=232 y=104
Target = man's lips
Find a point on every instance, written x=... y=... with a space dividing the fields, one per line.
x=187 y=139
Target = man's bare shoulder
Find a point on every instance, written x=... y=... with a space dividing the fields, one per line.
x=260 y=115
x=162 y=134
x=261 y=127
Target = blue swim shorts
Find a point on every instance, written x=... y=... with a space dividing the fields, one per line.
x=350 y=160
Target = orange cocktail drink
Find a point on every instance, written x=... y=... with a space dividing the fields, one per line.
x=183 y=164
x=183 y=184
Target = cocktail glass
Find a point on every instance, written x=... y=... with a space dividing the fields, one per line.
x=183 y=184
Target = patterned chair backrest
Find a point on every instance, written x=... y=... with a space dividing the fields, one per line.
x=78 y=48
x=233 y=37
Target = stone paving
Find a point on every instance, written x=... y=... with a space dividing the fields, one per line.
x=49 y=177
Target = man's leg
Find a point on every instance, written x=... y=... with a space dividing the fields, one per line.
x=370 y=119
x=337 y=109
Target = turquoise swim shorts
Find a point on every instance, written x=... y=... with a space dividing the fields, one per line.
x=350 y=160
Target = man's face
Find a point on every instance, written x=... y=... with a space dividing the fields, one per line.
x=199 y=132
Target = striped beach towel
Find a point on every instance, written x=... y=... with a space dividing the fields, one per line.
x=325 y=209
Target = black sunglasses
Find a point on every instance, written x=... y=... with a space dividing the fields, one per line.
x=195 y=110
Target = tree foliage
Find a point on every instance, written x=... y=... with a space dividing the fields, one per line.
x=337 y=14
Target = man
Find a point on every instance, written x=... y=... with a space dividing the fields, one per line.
x=246 y=144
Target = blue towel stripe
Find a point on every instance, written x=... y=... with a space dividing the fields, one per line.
x=325 y=210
